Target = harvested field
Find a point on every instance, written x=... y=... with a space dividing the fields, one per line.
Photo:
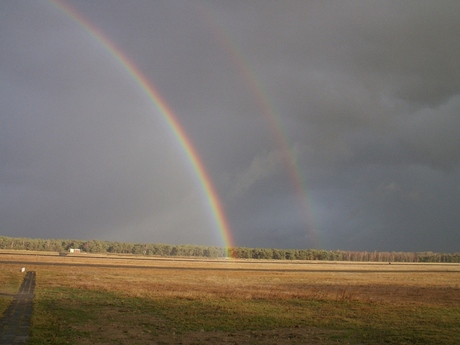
x=85 y=299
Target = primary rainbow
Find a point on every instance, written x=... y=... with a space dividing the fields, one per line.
x=165 y=110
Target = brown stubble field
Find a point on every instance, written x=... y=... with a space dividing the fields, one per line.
x=136 y=300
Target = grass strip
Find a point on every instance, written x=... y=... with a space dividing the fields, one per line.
x=79 y=316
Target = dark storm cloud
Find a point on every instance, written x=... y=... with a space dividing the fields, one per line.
x=368 y=95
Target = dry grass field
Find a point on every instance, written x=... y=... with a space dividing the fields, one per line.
x=84 y=299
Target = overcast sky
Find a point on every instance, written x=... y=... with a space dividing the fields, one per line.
x=365 y=94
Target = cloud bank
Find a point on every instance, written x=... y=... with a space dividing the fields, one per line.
x=367 y=94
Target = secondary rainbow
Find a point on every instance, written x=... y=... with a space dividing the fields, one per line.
x=165 y=110
x=269 y=113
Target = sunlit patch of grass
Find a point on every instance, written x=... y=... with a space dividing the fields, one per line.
x=10 y=281
x=10 y=278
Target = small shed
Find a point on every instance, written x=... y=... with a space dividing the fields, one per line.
x=76 y=250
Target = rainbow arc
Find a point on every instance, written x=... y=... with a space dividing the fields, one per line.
x=166 y=112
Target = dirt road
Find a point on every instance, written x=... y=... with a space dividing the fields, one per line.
x=15 y=322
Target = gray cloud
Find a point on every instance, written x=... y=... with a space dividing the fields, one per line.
x=367 y=94
x=260 y=168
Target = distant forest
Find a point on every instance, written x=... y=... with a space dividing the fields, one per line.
x=108 y=247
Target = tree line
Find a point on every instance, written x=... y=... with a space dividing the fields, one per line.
x=186 y=250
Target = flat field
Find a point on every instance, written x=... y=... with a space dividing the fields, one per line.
x=83 y=299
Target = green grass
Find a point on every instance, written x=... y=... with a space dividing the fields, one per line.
x=70 y=315
x=4 y=302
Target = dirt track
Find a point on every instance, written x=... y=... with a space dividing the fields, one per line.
x=15 y=323
x=380 y=269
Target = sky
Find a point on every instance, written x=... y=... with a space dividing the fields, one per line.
x=322 y=124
